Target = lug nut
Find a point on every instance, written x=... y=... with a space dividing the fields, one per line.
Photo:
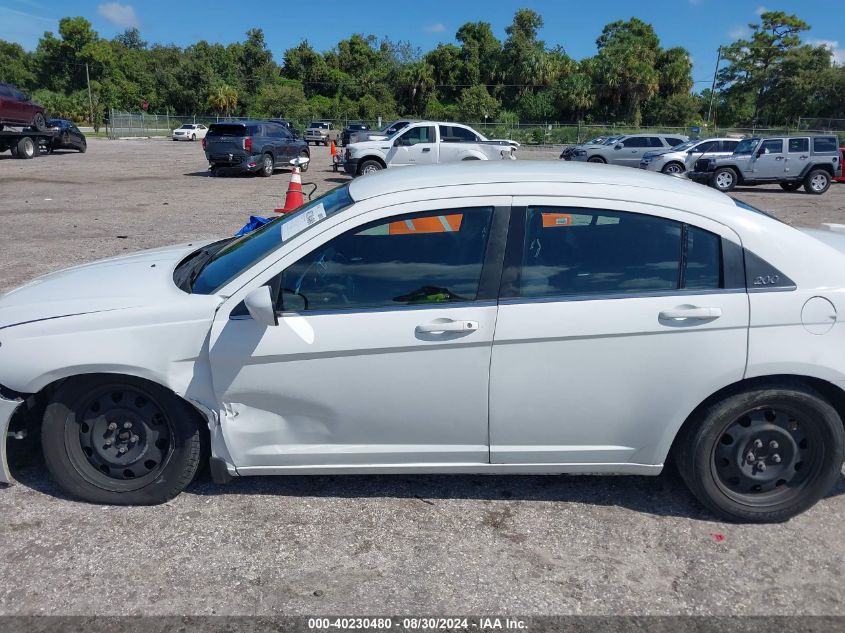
x=112 y=426
x=134 y=439
x=758 y=444
x=750 y=456
x=127 y=425
x=109 y=442
x=776 y=458
x=761 y=465
x=773 y=445
x=121 y=450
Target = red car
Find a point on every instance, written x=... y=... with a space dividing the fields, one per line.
x=842 y=163
x=18 y=109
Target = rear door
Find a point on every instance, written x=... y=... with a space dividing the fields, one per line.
x=770 y=160
x=417 y=146
x=633 y=149
x=225 y=141
x=797 y=155
x=606 y=341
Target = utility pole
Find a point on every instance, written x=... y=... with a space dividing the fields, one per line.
x=90 y=102
x=713 y=87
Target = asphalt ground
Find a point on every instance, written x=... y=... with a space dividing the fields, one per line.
x=363 y=544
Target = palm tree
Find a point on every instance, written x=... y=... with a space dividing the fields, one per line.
x=224 y=99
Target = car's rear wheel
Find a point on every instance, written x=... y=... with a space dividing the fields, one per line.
x=673 y=169
x=596 y=159
x=763 y=455
x=39 y=122
x=26 y=148
x=790 y=186
x=817 y=182
x=120 y=440
x=724 y=179
x=369 y=167
x=266 y=166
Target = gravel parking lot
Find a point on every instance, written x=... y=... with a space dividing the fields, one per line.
x=363 y=545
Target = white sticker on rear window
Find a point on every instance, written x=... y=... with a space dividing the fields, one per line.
x=303 y=221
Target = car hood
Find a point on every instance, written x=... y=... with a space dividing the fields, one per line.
x=370 y=144
x=140 y=279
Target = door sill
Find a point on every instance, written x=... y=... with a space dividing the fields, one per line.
x=458 y=469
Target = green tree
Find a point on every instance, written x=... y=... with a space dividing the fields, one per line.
x=477 y=105
x=224 y=99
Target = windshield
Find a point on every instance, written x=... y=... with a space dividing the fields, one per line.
x=241 y=253
x=746 y=146
x=611 y=140
x=685 y=146
x=187 y=127
x=319 y=126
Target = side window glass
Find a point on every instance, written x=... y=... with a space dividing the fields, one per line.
x=728 y=146
x=417 y=135
x=704 y=260
x=673 y=142
x=799 y=145
x=825 y=144
x=414 y=259
x=584 y=252
x=706 y=147
x=772 y=146
x=637 y=141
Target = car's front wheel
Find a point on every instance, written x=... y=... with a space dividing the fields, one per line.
x=369 y=167
x=596 y=159
x=763 y=455
x=673 y=169
x=120 y=440
x=724 y=179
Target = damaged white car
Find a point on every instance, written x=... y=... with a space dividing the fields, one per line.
x=472 y=318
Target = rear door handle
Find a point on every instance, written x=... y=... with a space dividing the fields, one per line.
x=690 y=313
x=448 y=325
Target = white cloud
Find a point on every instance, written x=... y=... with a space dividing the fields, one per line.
x=122 y=15
x=738 y=32
x=437 y=27
x=761 y=10
x=833 y=45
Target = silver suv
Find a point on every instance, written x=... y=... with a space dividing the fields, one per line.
x=628 y=150
x=791 y=162
x=680 y=159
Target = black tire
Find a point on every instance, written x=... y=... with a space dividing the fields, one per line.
x=92 y=455
x=763 y=455
x=673 y=168
x=369 y=167
x=817 y=182
x=83 y=148
x=266 y=166
x=471 y=158
x=724 y=179
x=27 y=148
x=597 y=159
x=304 y=167
x=39 y=122
x=193 y=137
x=790 y=186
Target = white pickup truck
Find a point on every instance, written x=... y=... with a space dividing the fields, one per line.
x=424 y=143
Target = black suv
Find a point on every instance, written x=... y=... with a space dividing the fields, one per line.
x=251 y=146
x=351 y=131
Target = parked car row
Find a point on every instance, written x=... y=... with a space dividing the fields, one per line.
x=423 y=143
x=625 y=150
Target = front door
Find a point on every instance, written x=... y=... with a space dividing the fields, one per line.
x=633 y=149
x=770 y=160
x=382 y=352
x=417 y=146
x=605 y=341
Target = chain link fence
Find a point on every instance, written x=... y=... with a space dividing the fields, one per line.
x=142 y=124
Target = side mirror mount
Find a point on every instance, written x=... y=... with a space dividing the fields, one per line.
x=618 y=146
x=293 y=301
x=760 y=152
x=259 y=304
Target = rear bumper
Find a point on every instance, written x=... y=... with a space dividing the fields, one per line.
x=235 y=165
x=7 y=410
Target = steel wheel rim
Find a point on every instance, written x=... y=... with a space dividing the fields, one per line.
x=818 y=182
x=370 y=169
x=119 y=437
x=767 y=455
x=724 y=179
x=268 y=165
x=672 y=169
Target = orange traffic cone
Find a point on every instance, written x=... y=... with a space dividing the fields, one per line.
x=333 y=150
x=335 y=157
x=294 y=198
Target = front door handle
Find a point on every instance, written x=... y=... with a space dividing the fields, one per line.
x=426 y=149
x=690 y=313
x=448 y=325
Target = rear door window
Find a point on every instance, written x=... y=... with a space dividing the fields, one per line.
x=799 y=145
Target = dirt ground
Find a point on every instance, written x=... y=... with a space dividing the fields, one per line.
x=363 y=545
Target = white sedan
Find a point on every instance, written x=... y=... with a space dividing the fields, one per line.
x=189 y=132
x=472 y=318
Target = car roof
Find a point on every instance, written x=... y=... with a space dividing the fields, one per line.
x=523 y=172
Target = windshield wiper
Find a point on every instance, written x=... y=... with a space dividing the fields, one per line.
x=190 y=269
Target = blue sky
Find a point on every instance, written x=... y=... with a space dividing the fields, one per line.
x=699 y=25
